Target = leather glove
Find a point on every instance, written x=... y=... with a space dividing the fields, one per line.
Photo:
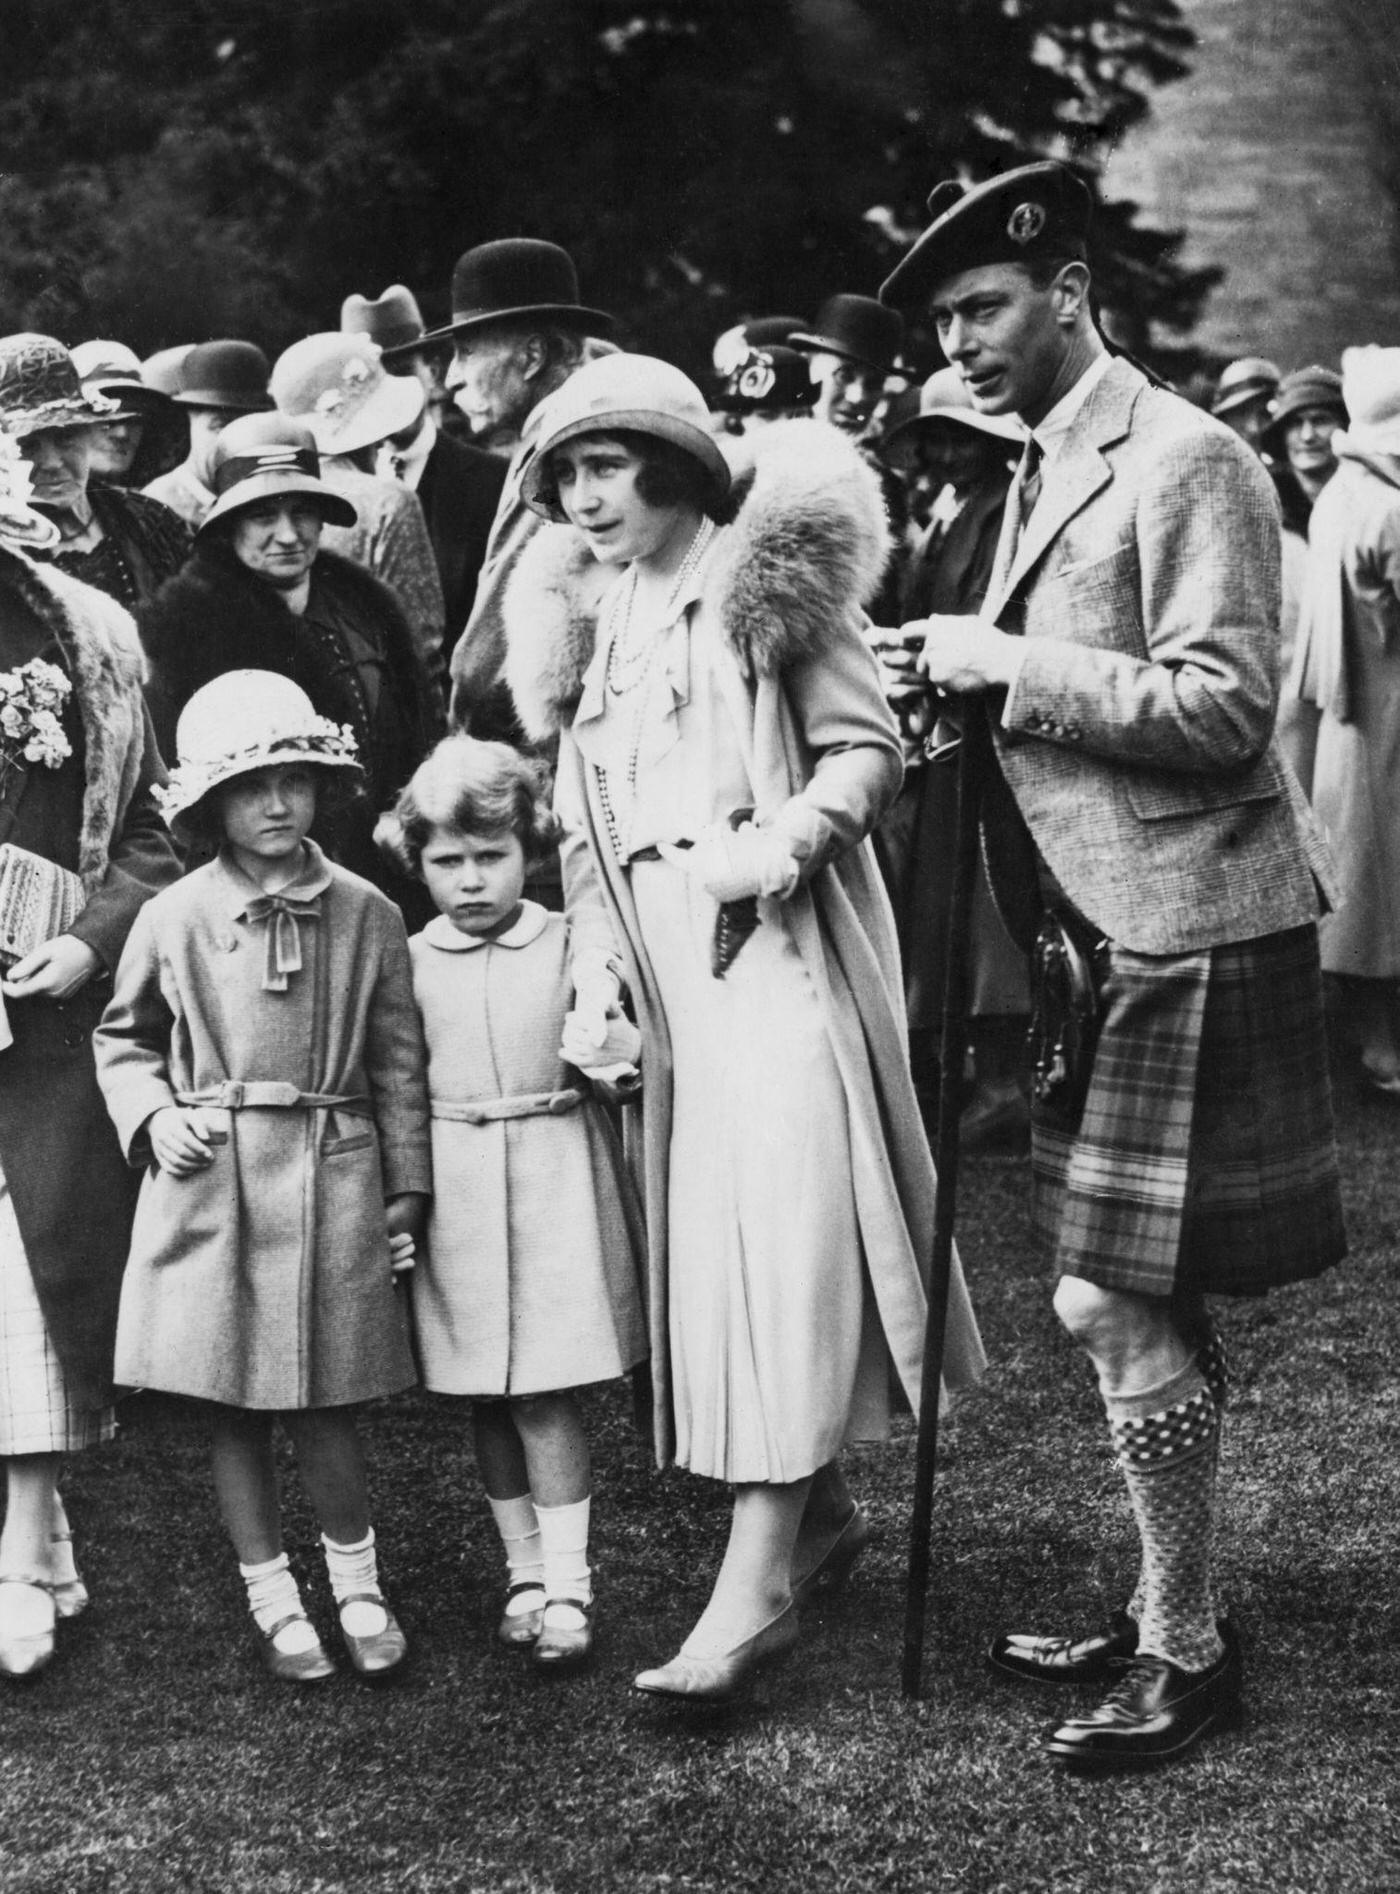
x=736 y=864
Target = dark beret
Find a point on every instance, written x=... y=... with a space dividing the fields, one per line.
x=1038 y=210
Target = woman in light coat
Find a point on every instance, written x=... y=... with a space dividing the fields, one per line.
x=724 y=752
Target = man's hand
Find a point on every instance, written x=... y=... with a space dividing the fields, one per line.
x=53 y=971
x=963 y=655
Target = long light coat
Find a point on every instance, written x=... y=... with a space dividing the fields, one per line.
x=782 y=592
x=264 y=1280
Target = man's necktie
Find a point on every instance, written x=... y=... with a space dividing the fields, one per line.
x=1032 y=465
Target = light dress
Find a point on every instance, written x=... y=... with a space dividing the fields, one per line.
x=37 y=1410
x=776 y=1352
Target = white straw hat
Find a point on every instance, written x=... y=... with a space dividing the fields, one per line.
x=336 y=385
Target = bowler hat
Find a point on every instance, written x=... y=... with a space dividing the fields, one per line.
x=1036 y=211
x=1251 y=378
x=39 y=388
x=267 y=457
x=513 y=278
x=114 y=370
x=856 y=327
x=161 y=371
x=225 y=374
x=1304 y=388
x=393 y=320
x=636 y=394
x=768 y=380
x=335 y=384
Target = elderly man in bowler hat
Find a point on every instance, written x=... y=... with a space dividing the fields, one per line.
x=458 y=485
x=518 y=331
x=216 y=383
x=1126 y=656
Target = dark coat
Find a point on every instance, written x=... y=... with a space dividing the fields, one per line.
x=459 y=493
x=352 y=653
x=145 y=544
x=72 y=1192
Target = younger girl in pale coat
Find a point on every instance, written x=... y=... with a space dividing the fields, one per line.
x=529 y=1288
x=261 y=1056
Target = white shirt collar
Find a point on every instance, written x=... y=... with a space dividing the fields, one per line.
x=527 y=929
x=406 y=464
x=1050 y=433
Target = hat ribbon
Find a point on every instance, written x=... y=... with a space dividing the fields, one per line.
x=274 y=460
x=283 y=954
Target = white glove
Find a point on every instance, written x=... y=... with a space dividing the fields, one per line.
x=597 y=997
x=733 y=864
x=619 y=1047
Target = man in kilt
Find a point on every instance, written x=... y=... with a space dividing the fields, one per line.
x=1127 y=658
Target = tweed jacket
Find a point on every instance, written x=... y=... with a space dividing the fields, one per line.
x=1138 y=738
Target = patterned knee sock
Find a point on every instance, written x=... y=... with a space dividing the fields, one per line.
x=1213 y=1360
x=1165 y=1442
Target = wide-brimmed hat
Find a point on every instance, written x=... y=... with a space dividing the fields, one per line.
x=242 y=721
x=857 y=328
x=114 y=370
x=267 y=457
x=513 y=278
x=1371 y=386
x=1305 y=388
x=39 y=388
x=637 y=394
x=335 y=385
x=1036 y=211
x=225 y=374
x=767 y=380
x=393 y=320
x=1251 y=378
x=162 y=370
x=944 y=398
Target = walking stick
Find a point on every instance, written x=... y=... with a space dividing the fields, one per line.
x=973 y=761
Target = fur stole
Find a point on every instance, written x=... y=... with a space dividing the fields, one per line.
x=806 y=550
x=103 y=654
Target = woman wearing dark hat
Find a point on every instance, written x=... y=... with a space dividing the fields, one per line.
x=260 y=594
x=724 y=752
x=81 y=831
x=763 y=384
x=123 y=543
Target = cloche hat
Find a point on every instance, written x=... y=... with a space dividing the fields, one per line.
x=516 y=277
x=39 y=388
x=944 y=397
x=756 y=332
x=335 y=385
x=766 y=381
x=225 y=374
x=856 y=327
x=638 y=394
x=1305 y=388
x=1251 y=378
x=393 y=320
x=114 y=370
x=242 y=721
x=267 y=457
x=1036 y=211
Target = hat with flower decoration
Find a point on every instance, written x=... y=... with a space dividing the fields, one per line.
x=40 y=388
x=772 y=380
x=335 y=384
x=242 y=721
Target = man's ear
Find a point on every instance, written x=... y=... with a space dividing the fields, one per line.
x=534 y=356
x=1070 y=291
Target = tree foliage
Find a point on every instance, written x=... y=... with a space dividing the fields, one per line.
x=181 y=168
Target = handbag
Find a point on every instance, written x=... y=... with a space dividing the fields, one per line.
x=1067 y=970
x=38 y=900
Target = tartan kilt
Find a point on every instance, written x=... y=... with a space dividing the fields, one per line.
x=1204 y=1158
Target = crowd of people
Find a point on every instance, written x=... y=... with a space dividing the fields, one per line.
x=641 y=713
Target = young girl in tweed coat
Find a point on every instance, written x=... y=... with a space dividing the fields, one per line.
x=529 y=1288
x=261 y=1059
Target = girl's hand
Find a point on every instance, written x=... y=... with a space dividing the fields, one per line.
x=597 y=1005
x=54 y=971
x=402 y=1253
x=180 y=1139
x=403 y=1218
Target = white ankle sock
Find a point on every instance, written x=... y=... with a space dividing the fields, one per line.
x=520 y=1536
x=564 y=1548
x=354 y=1568
x=273 y=1595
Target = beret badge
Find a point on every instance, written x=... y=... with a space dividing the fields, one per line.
x=1026 y=222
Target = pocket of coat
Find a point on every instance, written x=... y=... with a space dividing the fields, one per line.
x=355 y=1141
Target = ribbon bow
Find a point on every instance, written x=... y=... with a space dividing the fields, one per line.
x=283 y=955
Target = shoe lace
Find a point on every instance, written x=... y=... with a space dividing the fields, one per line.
x=1139 y=1671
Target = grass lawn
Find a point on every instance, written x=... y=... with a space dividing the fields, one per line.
x=154 y=1755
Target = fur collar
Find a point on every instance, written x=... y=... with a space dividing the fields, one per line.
x=104 y=657
x=808 y=547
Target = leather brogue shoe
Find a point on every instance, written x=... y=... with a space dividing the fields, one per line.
x=1043 y=1660
x=1152 y=1714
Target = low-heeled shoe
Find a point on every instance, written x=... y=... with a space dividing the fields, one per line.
x=562 y=1647
x=1153 y=1713
x=292 y=1667
x=381 y=1651
x=26 y=1653
x=518 y=1630
x=719 y=1679
x=833 y=1568
x=1052 y=1660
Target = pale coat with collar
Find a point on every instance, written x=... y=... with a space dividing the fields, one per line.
x=1137 y=740
x=531 y=1281
x=264 y=1280
x=779 y=603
